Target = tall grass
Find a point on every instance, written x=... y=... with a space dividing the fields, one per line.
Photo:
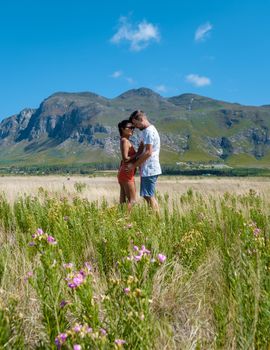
x=76 y=273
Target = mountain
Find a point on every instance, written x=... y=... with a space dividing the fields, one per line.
x=75 y=128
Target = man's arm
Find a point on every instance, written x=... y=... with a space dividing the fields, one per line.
x=140 y=149
x=147 y=154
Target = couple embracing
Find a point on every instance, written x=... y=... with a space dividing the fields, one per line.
x=146 y=158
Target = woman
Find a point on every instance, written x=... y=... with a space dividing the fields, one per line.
x=126 y=178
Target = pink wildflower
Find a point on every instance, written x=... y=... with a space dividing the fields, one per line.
x=144 y=250
x=103 y=331
x=68 y=265
x=83 y=272
x=138 y=257
x=126 y=290
x=256 y=231
x=161 y=258
x=51 y=240
x=120 y=342
x=77 y=347
x=77 y=328
x=78 y=279
x=40 y=232
x=60 y=340
x=136 y=248
x=28 y=275
x=88 y=266
x=64 y=303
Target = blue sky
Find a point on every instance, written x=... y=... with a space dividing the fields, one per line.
x=215 y=48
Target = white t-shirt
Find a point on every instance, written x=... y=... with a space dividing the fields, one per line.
x=151 y=166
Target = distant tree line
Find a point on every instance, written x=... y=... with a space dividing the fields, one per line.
x=89 y=168
x=92 y=168
x=172 y=170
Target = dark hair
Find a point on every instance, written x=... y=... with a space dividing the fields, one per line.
x=137 y=115
x=122 y=125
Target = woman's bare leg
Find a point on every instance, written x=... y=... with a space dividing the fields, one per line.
x=122 y=194
x=130 y=190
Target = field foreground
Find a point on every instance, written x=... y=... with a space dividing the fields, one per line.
x=80 y=272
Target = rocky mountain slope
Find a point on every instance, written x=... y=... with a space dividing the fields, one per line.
x=70 y=128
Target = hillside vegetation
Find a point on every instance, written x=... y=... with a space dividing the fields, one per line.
x=75 y=128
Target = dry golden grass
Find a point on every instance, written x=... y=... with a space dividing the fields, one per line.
x=187 y=305
x=97 y=188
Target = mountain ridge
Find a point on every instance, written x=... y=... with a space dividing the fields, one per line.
x=82 y=127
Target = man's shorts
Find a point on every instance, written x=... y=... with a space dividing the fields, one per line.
x=148 y=186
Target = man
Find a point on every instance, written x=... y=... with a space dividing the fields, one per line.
x=148 y=159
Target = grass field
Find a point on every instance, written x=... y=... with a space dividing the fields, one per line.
x=77 y=271
x=106 y=186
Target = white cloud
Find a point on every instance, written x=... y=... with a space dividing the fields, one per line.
x=117 y=74
x=138 y=36
x=161 y=88
x=203 y=31
x=198 y=80
x=130 y=80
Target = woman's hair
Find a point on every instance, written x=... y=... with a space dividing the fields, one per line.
x=122 y=125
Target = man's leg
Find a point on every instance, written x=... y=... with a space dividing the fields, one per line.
x=148 y=185
x=152 y=202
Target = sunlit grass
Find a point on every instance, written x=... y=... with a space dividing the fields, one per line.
x=76 y=271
